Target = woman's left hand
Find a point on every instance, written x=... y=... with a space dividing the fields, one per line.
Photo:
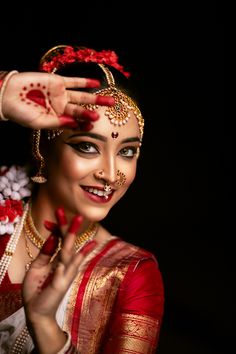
x=46 y=283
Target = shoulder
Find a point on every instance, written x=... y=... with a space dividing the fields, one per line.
x=142 y=286
x=15 y=188
x=127 y=255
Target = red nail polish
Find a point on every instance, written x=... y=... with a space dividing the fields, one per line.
x=90 y=115
x=50 y=245
x=75 y=224
x=50 y=226
x=105 y=100
x=88 y=247
x=68 y=121
x=60 y=215
x=92 y=83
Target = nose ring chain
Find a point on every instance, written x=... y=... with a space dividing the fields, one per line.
x=107 y=190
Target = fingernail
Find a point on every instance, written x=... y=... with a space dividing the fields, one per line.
x=92 y=83
x=50 y=226
x=75 y=224
x=105 y=100
x=50 y=245
x=60 y=215
x=88 y=247
x=68 y=121
x=91 y=115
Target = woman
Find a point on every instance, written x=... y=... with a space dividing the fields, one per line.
x=84 y=290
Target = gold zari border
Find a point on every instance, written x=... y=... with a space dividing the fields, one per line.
x=138 y=334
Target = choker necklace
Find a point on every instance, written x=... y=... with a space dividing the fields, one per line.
x=34 y=236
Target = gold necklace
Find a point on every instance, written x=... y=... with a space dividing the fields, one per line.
x=34 y=236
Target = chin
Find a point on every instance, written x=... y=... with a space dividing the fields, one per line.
x=95 y=215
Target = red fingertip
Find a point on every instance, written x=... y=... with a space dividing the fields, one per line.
x=50 y=226
x=92 y=83
x=68 y=121
x=50 y=245
x=88 y=247
x=90 y=115
x=75 y=224
x=61 y=217
x=105 y=100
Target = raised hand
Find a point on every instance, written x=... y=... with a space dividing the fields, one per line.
x=46 y=282
x=41 y=100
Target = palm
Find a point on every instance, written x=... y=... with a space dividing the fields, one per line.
x=37 y=100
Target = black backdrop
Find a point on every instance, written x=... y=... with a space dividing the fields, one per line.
x=180 y=205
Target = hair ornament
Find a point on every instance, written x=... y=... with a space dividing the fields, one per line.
x=60 y=55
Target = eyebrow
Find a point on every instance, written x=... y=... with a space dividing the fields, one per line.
x=90 y=135
x=103 y=138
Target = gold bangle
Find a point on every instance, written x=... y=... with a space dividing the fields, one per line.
x=6 y=77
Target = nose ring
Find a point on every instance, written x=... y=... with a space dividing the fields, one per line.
x=100 y=174
x=121 y=178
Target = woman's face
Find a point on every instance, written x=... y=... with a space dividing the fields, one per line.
x=80 y=163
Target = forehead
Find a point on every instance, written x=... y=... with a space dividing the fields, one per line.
x=105 y=127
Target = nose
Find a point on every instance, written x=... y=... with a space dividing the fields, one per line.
x=108 y=172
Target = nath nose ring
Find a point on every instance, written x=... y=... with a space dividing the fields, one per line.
x=121 y=178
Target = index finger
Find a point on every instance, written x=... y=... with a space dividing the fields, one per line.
x=73 y=82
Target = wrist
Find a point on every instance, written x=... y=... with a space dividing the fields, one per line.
x=46 y=331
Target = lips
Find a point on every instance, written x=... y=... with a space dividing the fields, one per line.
x=97 y=194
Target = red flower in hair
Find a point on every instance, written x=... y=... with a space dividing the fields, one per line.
x=57 y=58
x=11 y=209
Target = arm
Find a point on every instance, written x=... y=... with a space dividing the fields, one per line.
x=137 y=317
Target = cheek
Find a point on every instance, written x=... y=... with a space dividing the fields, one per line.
x=70 y=166
x=130 y=173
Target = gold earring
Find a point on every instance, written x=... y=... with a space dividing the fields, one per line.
x=121 y=178
x=39 y=177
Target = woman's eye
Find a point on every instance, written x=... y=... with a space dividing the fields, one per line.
x=128 y=152
x=85 y=147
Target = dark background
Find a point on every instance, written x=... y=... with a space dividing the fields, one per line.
x=180 y=206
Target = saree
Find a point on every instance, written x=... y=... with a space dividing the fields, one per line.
x=114 y=305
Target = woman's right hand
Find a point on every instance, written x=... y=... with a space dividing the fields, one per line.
x=40 y=100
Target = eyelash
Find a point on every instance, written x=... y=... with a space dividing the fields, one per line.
x=132 y=149
x=81 y=148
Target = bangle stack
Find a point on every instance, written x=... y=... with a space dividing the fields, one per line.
x=4 y=78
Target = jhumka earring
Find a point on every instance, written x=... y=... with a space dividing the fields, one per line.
x=39 y=177
x=121 y=179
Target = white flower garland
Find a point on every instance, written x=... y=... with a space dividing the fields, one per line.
x=14 y=186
